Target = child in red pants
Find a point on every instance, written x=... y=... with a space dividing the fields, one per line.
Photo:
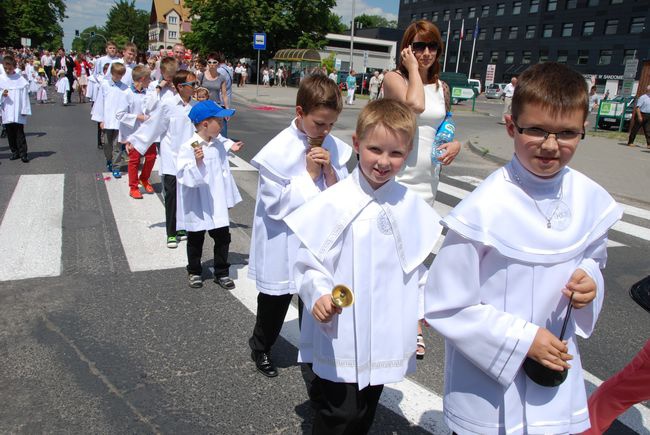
x=131 y=115
x=626 y=388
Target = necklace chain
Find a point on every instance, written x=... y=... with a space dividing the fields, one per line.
x=548 y=219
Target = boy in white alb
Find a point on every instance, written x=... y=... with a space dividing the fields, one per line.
x=14 y=108
x=370 y=234
x=206 y=190
x=294 y=166
x=533 y=234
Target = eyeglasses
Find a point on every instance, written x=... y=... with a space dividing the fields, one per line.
x=540 y=135
x=420 y=46
x=212 y=62
x=192 y=84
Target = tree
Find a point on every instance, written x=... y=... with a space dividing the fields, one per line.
x=38 y=20
x=85 y=41
x=126 y=23
x=228 y=25
x=373 y=21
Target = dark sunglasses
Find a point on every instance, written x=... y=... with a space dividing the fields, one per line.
x=420 y=46
x=212 y=62
x=192 y=84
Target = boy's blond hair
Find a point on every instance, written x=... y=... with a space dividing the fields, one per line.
x=139 y=72
x=319 y=91
x=554 y=87
x=168 y=66
x=131 y=45
x=393 y=115
x=203 y=92
x=118 y=68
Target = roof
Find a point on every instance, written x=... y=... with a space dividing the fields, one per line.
x=297 y=55
x=160 y=8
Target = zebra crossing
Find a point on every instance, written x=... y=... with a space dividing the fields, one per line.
x=32 y=223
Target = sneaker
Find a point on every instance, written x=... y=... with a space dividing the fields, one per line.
x=195 y=281
x=109 y=166
x=146 y=186
x=181 y=234
x=117 y=173
x=225 y=282
x=172 y=242
x=135 y=193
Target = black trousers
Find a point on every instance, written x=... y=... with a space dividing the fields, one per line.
x=343 y=409
x=16 y=138
x=69 y=92
x=48 y=73
x=221 y=237
x=169 y=193
x=645 y=125
x=271 y=311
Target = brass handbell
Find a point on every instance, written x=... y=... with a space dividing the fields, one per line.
x=196 y=144
x=342 y=296
x=315 y=141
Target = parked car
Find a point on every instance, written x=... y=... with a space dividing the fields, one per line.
x=606 y=123
x=476 y=84
x=495 y=90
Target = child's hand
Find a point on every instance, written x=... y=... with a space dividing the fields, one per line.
x=142 y=117
x=101 y=125
x=583 y=288
x=324 y=309
x=549 y=351
x=451 y=151
x=128 y=146
x=314 y=169
x=237 y=146
x=319 y=155
x=198 y=153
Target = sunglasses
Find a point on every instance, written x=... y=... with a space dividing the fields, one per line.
x=420 y=46
x=192 y=84
x=212 y=62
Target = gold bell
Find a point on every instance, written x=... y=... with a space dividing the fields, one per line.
x=342 y=296
x=196 y=144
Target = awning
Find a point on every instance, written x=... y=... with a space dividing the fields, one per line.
x=297 y=55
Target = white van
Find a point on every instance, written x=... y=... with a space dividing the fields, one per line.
x=476 y=84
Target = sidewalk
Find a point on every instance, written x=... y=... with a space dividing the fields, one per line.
x=282 y=97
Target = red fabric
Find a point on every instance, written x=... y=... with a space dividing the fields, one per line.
x=626 y=388
x=147 y=167
x=77 y=67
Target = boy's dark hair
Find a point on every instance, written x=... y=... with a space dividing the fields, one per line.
x=181 y=77
x=319 y=91
x=9 y=59
x=140 y=71
x=168 y=64
x=552 y=86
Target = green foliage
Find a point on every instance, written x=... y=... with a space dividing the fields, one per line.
x=373 y=21
x=228 y=25
x=329 y=62
x=84 y=42
x=125 y=23
x=36 y=19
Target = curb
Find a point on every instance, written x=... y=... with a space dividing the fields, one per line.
x=485 y=153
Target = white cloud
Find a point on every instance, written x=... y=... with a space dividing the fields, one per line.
x=343 y=9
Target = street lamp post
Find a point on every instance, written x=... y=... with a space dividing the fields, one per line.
x=351 y=38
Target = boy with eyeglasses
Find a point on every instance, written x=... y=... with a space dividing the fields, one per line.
x=532 y=235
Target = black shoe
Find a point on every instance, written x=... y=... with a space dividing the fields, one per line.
x=3 y=134
x=264 y=364
x=25 y=159
x=14 y=156
x=225 y=282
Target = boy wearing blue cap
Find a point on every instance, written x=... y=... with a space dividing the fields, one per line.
x=206 y=190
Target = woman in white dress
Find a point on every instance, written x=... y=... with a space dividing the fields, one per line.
x=416 y=82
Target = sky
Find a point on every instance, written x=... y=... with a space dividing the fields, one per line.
x=85 y=13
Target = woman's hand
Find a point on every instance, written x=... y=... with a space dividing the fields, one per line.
x=409 y=60
x=451 y=151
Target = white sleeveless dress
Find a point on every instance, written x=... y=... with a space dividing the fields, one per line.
x=418 y=174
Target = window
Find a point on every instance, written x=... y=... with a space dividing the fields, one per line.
x=628 y=55
x=479 y=56
x=459 y=14
x=497 y=33
x=548 y=31
x=583 y=57
x=588 y=28
x=543 y=56
x=512 y=33
x=501 y=9
x=434 y=16
x=494 y=56
x=525 y=57
x=534 y=6
x=637 y=24
x=445 y=15
x=510 y=57
x=471 y=12
x=443 y=35
x=616 y=2
x=605 y=57
x=481 y=34
x=172 y=20
x=592 y=2
x=172 y=34
x=562 y=56
x=414 y=17
x=456 y=35
x=516 y=8
x=530 y=31
x=567 y=30
x=425 y=15
x=611 y=26
x=464 y=57
x=571 y=4
x=485 y=10
x=452 y=58
x=551 y=5
x=469 y=35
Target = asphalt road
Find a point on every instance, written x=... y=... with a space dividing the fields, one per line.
x=113 y=340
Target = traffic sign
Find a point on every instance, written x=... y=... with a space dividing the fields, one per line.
x=259 y=41
x=365 y=59
x=631 y=66
x=489 y=74
x=462 y=93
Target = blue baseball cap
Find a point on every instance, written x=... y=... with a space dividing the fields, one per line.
x=208 y=109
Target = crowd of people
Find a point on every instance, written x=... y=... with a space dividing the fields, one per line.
x=517 y=252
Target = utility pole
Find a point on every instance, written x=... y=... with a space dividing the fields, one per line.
x=351 y=37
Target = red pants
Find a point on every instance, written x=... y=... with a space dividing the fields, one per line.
x=134 y=163
x=626 y=388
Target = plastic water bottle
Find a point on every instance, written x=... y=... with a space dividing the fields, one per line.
x=445 y=134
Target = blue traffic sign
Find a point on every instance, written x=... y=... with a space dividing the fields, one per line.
x=259 y=41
